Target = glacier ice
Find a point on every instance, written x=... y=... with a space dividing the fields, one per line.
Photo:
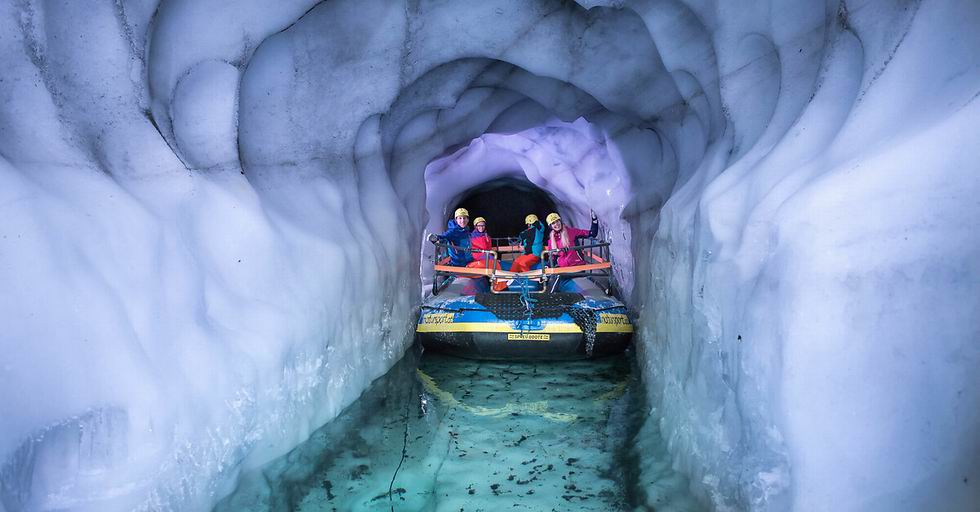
x=210 y=217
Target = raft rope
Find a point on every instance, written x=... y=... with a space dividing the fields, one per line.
x=528 y=303
x=587 y=320
x=391 y=485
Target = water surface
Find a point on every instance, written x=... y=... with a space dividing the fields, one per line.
x=448 y=434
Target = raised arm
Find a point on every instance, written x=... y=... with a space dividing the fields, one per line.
x=593 y=231
x=525 y=235
x=528 y=234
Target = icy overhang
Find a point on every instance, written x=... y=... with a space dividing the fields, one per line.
x=574 y=163
x=504 y=200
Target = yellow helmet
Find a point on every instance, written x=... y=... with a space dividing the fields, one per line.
x=479 y=220
x=461 y=212
x=552 y=217
x=531 y=219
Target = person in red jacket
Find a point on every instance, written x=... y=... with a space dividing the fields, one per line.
x=480 y=239
x=563 y=237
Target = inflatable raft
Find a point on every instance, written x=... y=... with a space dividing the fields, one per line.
x=560 y=315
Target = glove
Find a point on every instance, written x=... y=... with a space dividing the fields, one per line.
x=433 y=238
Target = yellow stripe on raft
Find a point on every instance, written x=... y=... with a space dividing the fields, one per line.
x=614 y=328
x=553 y=328
x=494 y=327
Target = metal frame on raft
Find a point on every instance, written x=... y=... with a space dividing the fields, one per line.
x=550 y=275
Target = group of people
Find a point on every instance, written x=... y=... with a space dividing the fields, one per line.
x=466 y=244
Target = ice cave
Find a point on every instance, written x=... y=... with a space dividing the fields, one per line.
x=213 y=253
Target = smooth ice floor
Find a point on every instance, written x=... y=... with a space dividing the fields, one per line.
x=447 y=434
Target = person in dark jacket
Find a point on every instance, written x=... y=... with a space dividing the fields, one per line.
x=532 y=240
x=457 y=234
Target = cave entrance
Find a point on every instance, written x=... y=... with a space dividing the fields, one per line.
x=504 y=202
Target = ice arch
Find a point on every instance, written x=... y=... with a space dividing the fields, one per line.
x=504 y=196
x=194 y=272
x=570 y=161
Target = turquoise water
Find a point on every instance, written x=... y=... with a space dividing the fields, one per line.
x=447 y=434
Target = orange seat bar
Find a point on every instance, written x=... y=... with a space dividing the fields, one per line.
x=464 y=270
x=530 y=274
x=577 y=268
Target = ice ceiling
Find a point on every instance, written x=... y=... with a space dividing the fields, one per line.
x=210 y=216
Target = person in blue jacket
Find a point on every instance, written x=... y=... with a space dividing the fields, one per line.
x=457 y=234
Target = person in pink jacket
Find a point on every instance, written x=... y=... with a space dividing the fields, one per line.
x=562 y=237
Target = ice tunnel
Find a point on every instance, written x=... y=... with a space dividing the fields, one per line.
x=211 y=216
x=504 y=195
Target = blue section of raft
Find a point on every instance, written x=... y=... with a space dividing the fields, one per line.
x=575 y=323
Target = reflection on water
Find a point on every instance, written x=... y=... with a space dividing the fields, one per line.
x=447 y=434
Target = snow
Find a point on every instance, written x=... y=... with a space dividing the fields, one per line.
x=204 y=113
x=211 y=214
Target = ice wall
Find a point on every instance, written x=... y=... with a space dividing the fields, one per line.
x=813 y=336
x=166 y=322
x=210 y=217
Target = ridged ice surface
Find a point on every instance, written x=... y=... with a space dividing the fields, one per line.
x=454 y=434
x=211 y=214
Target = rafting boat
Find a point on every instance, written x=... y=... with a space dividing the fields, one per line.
x=547 y=313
